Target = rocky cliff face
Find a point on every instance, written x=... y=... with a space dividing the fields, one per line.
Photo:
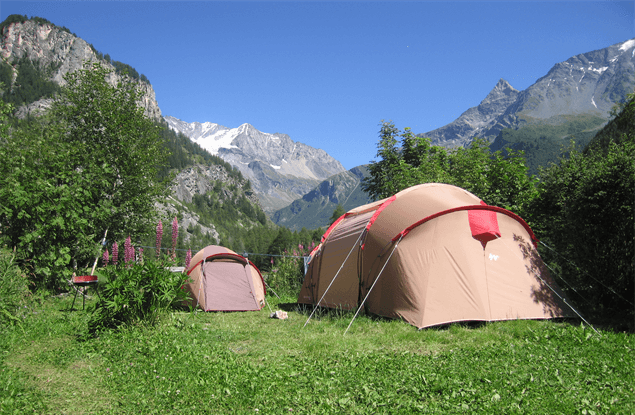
x=54 y=48
x=279 y=169
x=200 y=179
x=586 y=84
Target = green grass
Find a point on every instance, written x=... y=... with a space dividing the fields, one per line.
x=247 y=363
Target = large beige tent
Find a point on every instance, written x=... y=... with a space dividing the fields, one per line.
x=432 y=254
x=222 y=280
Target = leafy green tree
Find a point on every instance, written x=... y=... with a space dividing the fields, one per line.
x=89 y=166
x=337 y=212
x=384 y=174
x=584 y=213
x=499 y=179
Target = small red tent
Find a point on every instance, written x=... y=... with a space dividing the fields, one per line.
x=222 y=280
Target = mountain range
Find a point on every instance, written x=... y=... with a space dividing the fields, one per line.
x=298 y=185
x=279 y=169
x=588 y=84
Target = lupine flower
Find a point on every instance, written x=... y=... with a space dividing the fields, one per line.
x=105 y=257
x=175 y=236
x=115 y=253
x=141 y=255
x=159 y=236
x=300 y=247
x=128 y=251
x=188 y=258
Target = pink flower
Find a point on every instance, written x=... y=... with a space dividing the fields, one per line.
x=188 y=258
x=105 y=257
x=128 y=251
x=159 y=237
x=140 y=254
x=115 y=253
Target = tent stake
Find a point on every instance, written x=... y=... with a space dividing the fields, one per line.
x=372 y=286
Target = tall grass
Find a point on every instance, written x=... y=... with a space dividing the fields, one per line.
x=246 y=363
x=14 y=290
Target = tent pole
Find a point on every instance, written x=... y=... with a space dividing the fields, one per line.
x=333 y=280
x=372 y=286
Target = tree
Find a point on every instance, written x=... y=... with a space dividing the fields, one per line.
x=584 y=212
x=337 y=212
x=87 y=167
x=499 y=179
x=384 y=173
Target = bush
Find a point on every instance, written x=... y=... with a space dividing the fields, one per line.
x=13 y=288
x=287 y=273
x=136 y=295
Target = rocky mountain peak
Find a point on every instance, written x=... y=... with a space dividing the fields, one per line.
x=502 y=91
x=586 y=84
x=280 y=170
x=53 y=47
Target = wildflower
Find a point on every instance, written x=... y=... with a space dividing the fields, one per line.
x=115 y=253
x=105 y=258
x=188 y=258
x=107 y=369
x=141 y=255
x=300 y=247
x=175 y=236
x=159 y=237
x=128 y=251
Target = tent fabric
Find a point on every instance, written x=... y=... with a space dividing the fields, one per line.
x=222 y=280
x=436 y=254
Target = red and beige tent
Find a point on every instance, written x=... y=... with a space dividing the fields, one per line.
x=222 y=280
x=432 y=254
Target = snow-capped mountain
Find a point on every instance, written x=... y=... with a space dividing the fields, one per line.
x=280 y=170
x=589 y=83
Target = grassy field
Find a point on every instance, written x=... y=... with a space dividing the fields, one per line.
x=247 y=363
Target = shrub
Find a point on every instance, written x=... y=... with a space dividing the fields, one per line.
x=13 y=288
x=287 y=273
x=136 y=295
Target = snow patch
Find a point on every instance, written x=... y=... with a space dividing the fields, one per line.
x=627 y=45
x=217 y=140
x=599 y=70
x=593 y=101
x=275 y=167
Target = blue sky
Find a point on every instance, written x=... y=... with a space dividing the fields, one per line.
x=327 y=73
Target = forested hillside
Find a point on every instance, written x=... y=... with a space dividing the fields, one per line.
x=544 y=142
